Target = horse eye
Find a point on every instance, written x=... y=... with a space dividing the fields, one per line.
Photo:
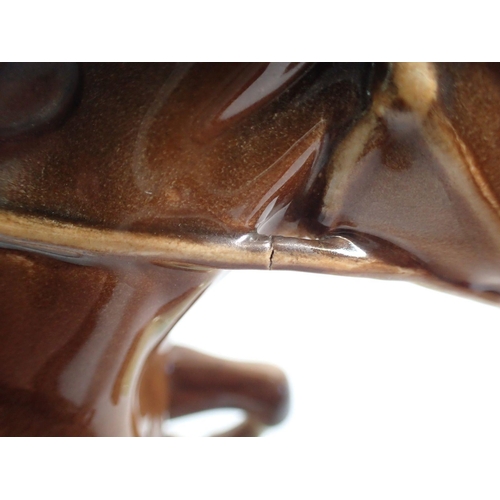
x=34 y=95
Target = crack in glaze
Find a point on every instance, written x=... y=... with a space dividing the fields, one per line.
x=271 y=242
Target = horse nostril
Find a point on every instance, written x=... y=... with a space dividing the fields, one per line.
x=34 y=95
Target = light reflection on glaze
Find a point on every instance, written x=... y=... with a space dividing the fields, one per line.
x=274 y=77
x=90 y=337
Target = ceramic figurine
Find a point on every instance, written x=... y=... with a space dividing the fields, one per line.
x=125 y=188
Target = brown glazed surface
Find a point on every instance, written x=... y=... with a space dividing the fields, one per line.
x=124 y=188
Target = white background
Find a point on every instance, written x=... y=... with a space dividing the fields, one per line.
x=395 y=387
x=371 y=363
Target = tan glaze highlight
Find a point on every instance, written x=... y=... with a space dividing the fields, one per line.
x=124 y=188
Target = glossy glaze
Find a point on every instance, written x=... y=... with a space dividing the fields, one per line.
x=124 y=188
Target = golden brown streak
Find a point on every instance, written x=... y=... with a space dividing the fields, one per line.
x=217 y=252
